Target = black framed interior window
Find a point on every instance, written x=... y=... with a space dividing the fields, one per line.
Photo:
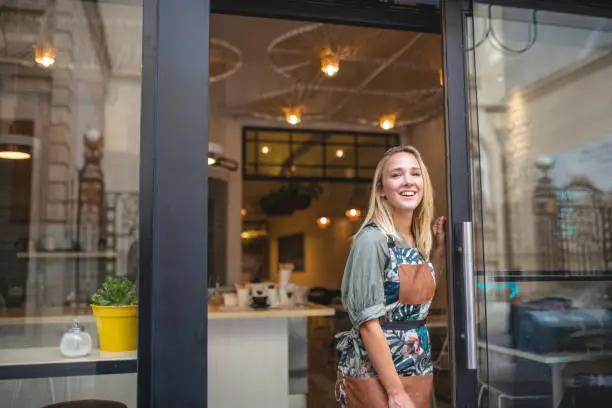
x=303 y=155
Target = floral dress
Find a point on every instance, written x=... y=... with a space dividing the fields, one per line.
x=372 y=288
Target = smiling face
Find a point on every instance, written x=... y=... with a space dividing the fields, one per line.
x=402 y=183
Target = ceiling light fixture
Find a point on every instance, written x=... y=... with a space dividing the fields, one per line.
x=14 y=152
x=293 y=115
x=216 y=158
x=16 y=147
x=353 y=214
x=330 y=63
x=323 y=222
x=339 y=153
x=265 y=150
x=44 y=56
x=387 y=121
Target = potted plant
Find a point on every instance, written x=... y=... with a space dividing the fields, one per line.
x=115 y=306
x=289 y=198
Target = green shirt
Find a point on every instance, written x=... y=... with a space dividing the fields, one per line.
x=363 y=294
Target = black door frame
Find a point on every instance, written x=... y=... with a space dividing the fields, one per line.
x=172 y=327
x=172 y=355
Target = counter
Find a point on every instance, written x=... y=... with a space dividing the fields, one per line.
x=256 y=357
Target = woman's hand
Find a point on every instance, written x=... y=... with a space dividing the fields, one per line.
x=400 y=400
x=439 y=232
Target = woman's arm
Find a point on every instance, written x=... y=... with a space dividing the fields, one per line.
x=379 y=354
x=438 y=260
x=438 y=254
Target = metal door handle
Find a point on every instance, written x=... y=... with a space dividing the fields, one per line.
x=470 y=298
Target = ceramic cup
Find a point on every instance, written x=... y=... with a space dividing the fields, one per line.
x=244 y=297
x=230 y=299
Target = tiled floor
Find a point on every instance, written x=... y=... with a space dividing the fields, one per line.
x=322 y=368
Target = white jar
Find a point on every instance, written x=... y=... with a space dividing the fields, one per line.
x=76 y=342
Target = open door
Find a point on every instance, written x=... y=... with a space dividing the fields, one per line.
x=530 y=185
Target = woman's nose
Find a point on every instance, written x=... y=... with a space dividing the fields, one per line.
x=407 y=181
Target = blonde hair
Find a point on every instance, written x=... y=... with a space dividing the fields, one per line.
x=380 y=213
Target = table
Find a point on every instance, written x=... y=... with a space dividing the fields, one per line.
x=556 y=361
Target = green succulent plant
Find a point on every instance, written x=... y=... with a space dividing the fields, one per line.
x=116 y=292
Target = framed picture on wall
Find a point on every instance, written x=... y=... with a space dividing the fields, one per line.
x=291 y=250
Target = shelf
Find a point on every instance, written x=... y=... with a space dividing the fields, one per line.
x=66 y=255
x=42 y=362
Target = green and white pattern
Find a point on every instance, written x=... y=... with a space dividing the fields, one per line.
x=410 y=349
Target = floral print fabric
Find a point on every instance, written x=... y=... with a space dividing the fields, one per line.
x=410 y=349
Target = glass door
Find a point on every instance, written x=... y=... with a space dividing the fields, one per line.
x=540 y=264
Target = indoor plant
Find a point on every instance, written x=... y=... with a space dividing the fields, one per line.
x=289 y=198
x=115 y=306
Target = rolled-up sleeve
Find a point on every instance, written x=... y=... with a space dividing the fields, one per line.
x=363 y=294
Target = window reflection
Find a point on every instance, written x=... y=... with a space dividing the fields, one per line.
x=545 y=155
x=69 y=176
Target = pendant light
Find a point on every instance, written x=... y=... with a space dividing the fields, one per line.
x=293 y=115
x=16 y=147
x=387 y=122
x=323 y=222
x=44 y=55
x=216 y=158
x=330 y=63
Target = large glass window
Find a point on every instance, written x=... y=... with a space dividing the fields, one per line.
x=542 y=160
x=70 y=96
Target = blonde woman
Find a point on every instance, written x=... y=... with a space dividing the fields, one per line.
x=389 y=281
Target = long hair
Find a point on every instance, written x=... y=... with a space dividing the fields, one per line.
x=380 y=212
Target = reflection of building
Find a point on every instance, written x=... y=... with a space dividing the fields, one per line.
x=69 y=67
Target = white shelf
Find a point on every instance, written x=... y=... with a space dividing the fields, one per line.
x=66 y=255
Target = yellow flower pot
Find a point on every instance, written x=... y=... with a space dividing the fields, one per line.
x=117 y=327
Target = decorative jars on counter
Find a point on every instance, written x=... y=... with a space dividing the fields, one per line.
x=76 y=342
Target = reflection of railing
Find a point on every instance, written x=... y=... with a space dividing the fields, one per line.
x=573 y=227
x=121 y=210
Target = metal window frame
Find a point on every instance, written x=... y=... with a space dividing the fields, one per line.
x=394 y=138
x=172 y=348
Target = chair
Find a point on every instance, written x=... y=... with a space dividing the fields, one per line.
x=88 y=404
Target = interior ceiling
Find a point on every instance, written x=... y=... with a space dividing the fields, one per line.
x=381 y=72
x=259 y=66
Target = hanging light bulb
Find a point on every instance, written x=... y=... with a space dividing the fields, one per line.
x=330 y=63
x=44 y=56
x=323 y=222
x=353 y=214
x=387 y=121
x=293 y=115
x=339 y=153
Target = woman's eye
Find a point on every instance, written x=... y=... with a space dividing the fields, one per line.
x=396 y=175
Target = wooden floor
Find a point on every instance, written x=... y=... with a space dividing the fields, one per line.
x=322 y=367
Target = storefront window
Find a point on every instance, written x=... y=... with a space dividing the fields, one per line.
x=70 y=97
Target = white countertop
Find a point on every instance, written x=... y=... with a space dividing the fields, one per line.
x=214 y=313
x=312 y=310
x=52 y=355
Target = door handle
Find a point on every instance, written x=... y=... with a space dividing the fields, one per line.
x=470 y=297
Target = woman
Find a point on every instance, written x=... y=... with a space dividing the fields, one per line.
x=388 y=284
